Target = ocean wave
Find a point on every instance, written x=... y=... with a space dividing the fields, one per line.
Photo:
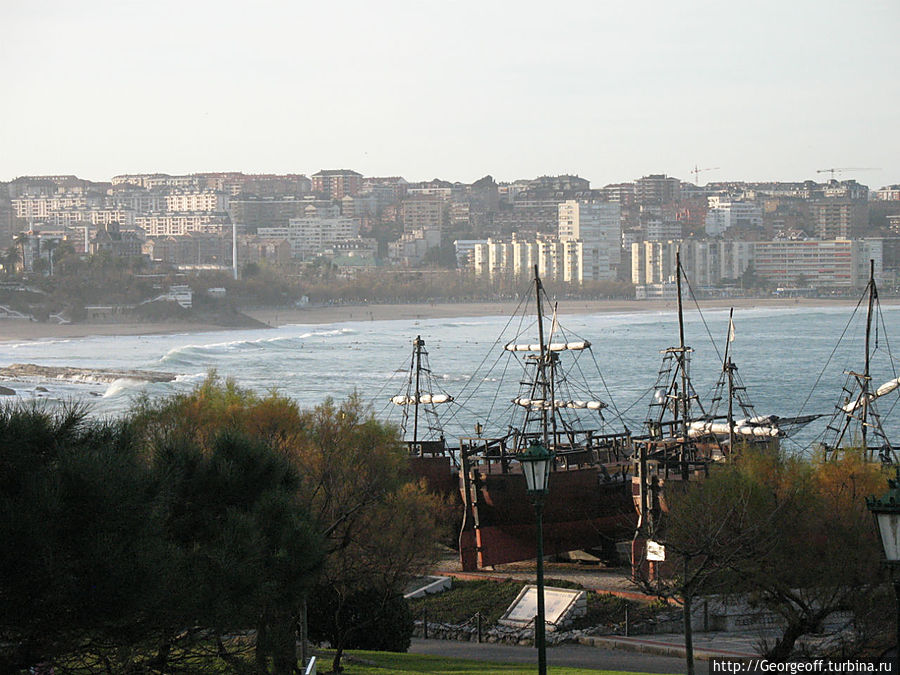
x=122 y=385
x=280 y=342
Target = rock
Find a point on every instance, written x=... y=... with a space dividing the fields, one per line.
x=19 y=370
x=44 y=389
x=6 y=391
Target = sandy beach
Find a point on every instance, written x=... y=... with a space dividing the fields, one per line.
x=19 y=329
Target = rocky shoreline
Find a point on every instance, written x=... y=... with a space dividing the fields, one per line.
x=18 y=371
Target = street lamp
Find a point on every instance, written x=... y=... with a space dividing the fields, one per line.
x=537 y=462
x=886 y=511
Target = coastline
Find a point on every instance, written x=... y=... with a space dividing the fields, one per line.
x=23 y=330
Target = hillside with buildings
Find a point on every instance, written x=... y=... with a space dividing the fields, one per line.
x=337 y=226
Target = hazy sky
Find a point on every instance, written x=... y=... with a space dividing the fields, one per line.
x=607 y=90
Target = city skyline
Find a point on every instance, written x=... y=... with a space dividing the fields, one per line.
x=457 y=91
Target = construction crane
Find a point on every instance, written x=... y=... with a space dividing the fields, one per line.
x=846 y=168
x=697 y=171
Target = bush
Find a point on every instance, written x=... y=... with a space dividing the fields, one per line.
x=367 y=620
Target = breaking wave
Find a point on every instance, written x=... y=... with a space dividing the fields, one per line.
x=188 y=354
x=123 y=385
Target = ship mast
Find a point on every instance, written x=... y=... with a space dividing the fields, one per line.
x=418 y=343
x=729 y=368
x=873 y=294
x=542 y=363
x=682 y=401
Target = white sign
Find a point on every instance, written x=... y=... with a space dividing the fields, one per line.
x=560 y=604
x=656 y=552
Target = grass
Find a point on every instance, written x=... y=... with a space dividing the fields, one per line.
x=492 y=598
x=385 y=663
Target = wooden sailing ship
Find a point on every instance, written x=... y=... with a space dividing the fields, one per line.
x=589 y=506
x=683 y=437
x=857 y=421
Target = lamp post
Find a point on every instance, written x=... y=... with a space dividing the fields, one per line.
x=537 y=462
x=886 y=511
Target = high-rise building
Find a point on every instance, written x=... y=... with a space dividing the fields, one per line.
x=657 y=189
x=839 y=218
x=336 y=183
x=598 y=226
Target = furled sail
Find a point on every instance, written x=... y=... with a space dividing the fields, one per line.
x=546 y=404
x=552 y=347
x=423 y=398
x=741 y=428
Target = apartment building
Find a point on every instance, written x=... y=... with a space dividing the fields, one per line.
x=556 y=260
x=177 y=224
x=309 y=236
x=707 y=262
x=598 y=226
x=151 y=181
x=528 y=215
x=192 y=201
x=39 y=207
x=423 y=213
x=136 y=199
x=410 y=249
x=658 y=229
x=195 y=248
x=254 y=213
x=256 y=249
x=724 y=213
x=336 y=183
x=890 y=193
x=836 y=263
x=839 y=218
x=64 y=218
x=657 y=189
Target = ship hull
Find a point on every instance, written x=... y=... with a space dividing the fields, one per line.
x=583 y=510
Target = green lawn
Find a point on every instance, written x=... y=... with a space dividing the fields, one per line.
x=382 y=663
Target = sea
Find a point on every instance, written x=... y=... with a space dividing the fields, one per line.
x=792 y=360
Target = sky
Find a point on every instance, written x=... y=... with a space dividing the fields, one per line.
x=611 y=91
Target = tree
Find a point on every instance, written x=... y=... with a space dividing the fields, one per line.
x=378 y=528
x=247 y=552
x=381 y=528
x=828 y=557
x=10 y=260
x=81 y=558
x=235 y=512
x=20 y=240
x=791 y=536
x=712 y=524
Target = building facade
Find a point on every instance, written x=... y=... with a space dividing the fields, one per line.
x=598 y=226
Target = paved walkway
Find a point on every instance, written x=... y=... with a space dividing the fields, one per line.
x=706 y=645
x=617 y=582
x=566 y=655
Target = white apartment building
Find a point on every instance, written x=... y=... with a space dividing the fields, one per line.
x=706 y=262
x=177 y=224
x=410 y=249
x=77 y=217
x=555 y=260
x=199 y=200
x=724 y=213
x=889 y=193
x=835 y=263
x=39 y=207
x=598 y=226
x=140 y=201
x=156 y=180
x=657 y=229
x=310 y=236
